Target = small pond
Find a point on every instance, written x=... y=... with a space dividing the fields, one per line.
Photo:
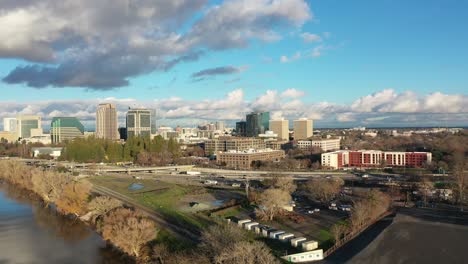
x=135 y=187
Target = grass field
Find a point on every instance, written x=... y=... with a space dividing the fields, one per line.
x=160 y=196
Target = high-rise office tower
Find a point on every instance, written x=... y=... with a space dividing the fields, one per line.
x=9 y=124
x=219 y=125
x=65 y=128
x=138 y=122
x=257 y=123
x=303 y=128
x=241 y=128
x=281 y=128
x=154 y=128
x=26 y=123
x=106 y=122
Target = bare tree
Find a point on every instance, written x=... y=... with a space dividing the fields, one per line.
x=338 y=230
x=246 y=252
x=285 y=183
x=461 y=177
x=324 y=189
x=271 y=202
x=49 y=184
x=128 y=230
x=101 y=205
x=369 y=208
x=217 y=238
x=425 y=187
x=73 y=199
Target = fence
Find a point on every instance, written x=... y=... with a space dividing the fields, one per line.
x=353 y=235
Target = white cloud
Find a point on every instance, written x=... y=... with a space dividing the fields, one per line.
x=384 y=108
x=286 y=59
x=389 y=101
x=311 y=38
x=346 y=117
x=292 y=93
x=317 y=51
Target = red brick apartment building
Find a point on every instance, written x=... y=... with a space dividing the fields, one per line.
x=374 y=158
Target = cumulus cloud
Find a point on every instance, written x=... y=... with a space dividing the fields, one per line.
x=102 y=44
x=311 y=38
x=389 y=101
x=292 y=93
x=384 y=108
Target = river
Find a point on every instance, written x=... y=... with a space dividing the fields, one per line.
x=32 y=233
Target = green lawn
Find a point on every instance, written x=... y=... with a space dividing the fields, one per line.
x=159 y=196
x=325 y=239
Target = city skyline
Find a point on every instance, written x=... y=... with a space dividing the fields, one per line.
x=346 y=64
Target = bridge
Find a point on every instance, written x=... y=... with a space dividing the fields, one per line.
x=143 y=169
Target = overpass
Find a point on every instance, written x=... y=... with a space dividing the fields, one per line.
x=250 y=172
x=144 y=169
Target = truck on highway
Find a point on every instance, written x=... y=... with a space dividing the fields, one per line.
x=210 y=182
x=191 y=172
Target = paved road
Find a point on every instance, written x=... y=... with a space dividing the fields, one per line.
x=178 y=231
x=413 y=236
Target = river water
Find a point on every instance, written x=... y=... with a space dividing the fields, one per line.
x=31 y=233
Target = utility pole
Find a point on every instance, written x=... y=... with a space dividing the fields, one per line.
x=247 y=186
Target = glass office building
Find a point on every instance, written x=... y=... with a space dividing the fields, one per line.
x=257 y=123
x=65 y=128
x=139 y=122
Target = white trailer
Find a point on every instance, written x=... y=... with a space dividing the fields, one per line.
x=249 y=226
x=297 y=242
x=286 y=237
x=275 y=234
x=242 y=222
x=309 y=245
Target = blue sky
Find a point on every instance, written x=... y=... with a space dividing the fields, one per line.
x=365 y=47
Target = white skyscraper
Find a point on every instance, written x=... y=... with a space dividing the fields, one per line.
x=9 y=124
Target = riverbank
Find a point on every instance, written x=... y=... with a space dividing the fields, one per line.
x=71 y=199
x=33 y=233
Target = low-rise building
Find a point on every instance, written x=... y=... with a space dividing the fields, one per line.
x=233 y=143
x=325 y=144
x=244 y=159
x=8 y=136
x=53 y=152
x=374 y=158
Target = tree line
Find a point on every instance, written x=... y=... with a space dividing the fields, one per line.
x=141 y=150
x=129 y=230
x=124 y=228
